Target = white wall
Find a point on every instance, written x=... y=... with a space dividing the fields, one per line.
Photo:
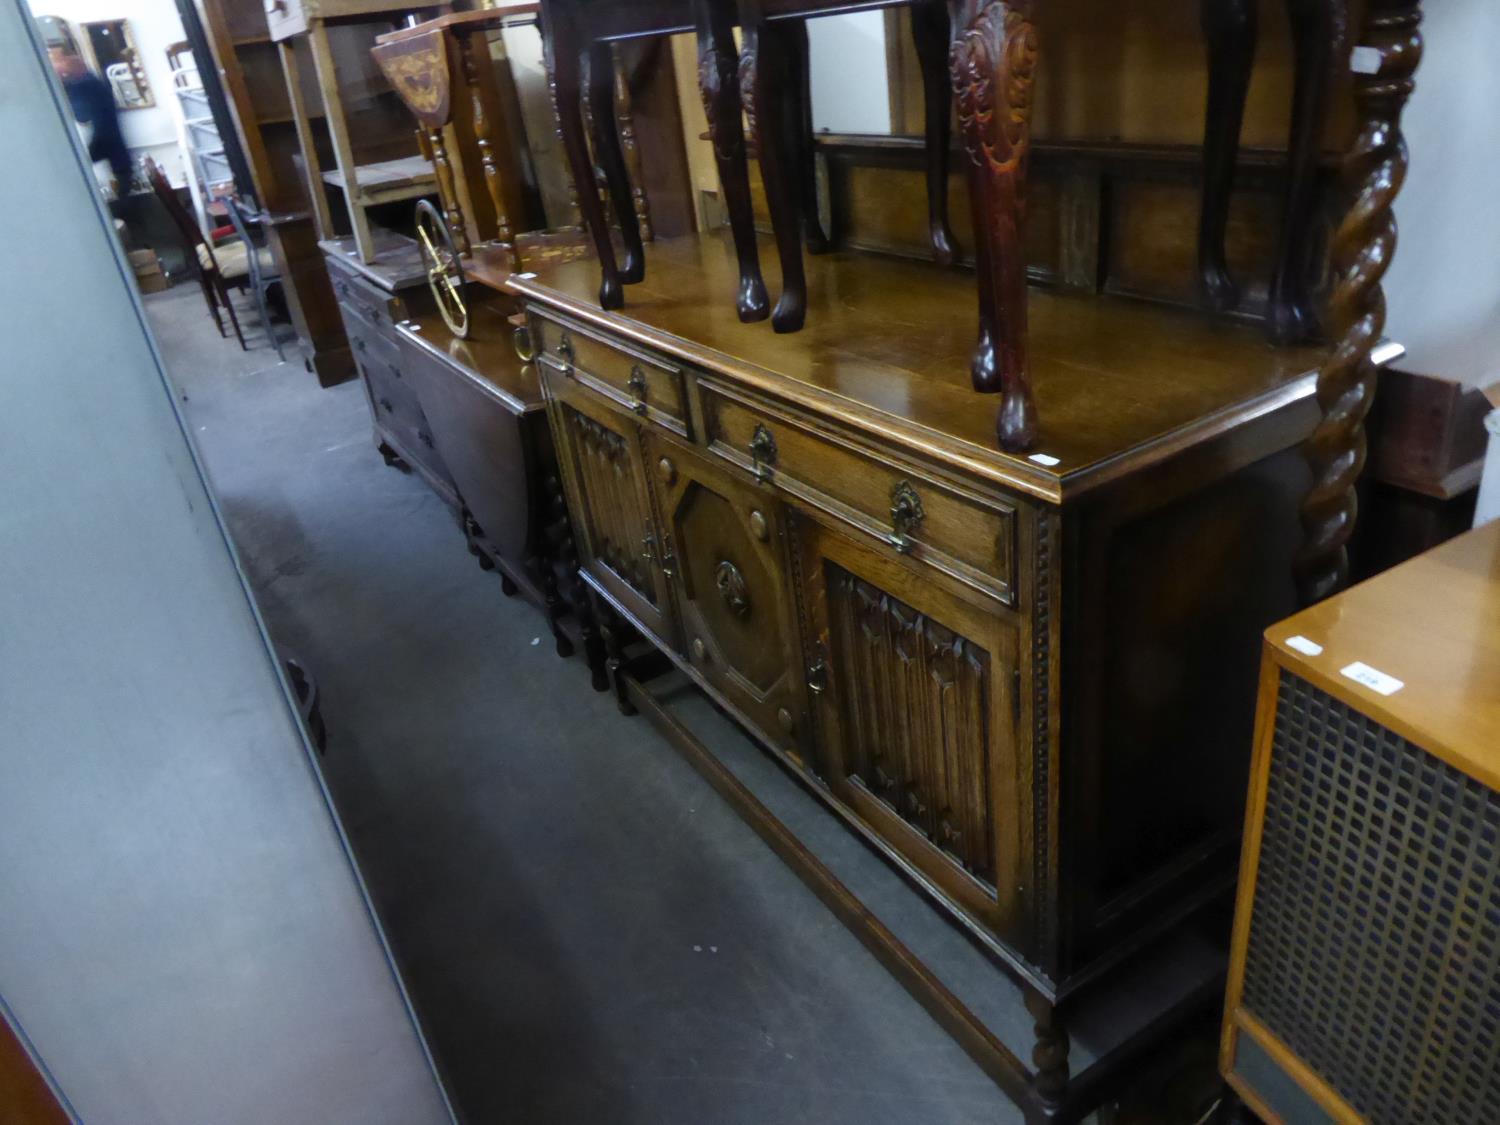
x=155 y=26
x=1444 y=287
x=850 y=73
x=183 y=936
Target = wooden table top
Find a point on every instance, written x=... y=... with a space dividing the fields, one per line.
x=1433 y=624
x=487 y=355
x=1119 y=382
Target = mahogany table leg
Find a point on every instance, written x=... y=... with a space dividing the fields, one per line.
x=994 y=68
x=566 y=67
x=1230 y=26
x=1318 y=30
x=718 y=82
x=1050 y=1051
x=612 y=158
x=763 y=82
x=931 y=33
x=800 y=130
x=1363 y=247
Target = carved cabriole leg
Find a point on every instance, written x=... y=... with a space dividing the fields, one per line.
x=567 y=59
x=718 y=82
x=1363 y=246
x=612 y=158
x=799 y=131
x=764 y=81
x=625 y=122
x=994 y=69
x=484 y=135
x=932 y=32
x=1319 y=31
x=1049 y=1054
x=1230 y=27
x=447 y=190
x=575 y=215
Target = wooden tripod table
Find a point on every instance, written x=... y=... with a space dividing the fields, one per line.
x=993 y=50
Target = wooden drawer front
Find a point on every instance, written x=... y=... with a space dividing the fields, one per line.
x=649 y=386
x=369 y=303
x=943 y=525
x=370 y=345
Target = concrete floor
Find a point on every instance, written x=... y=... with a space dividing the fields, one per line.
x=589 y=934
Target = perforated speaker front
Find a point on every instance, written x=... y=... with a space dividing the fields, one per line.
x=1375 y=934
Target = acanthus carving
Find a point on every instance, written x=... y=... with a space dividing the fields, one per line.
x=993 y=63
x=1363 y=246
x=749 y=62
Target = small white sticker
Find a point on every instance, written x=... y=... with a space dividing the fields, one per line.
x=1046 y=459
x=414 y=327
x=525 y=276
x=1304 y=646
x=1373 y=678
x=1365 y=60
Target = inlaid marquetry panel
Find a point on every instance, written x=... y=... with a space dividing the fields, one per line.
x=916 y=711
x=616 y=518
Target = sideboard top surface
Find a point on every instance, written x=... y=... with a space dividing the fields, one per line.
x=1119 y=383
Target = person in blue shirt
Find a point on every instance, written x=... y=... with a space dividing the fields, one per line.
x=93 y=104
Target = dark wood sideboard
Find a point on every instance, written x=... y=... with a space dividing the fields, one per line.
x=1028 y=680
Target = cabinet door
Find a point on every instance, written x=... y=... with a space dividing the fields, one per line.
x=731 y=587
x=619 y=545
x=915 y=683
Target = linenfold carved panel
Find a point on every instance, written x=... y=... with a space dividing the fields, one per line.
x=914 y=696
x=617 y=520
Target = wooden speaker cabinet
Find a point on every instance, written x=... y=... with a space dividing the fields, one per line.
x=1365 y=980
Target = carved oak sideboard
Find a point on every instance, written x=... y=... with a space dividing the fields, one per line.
x=1027 y=680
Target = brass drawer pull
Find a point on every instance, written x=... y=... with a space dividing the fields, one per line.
x=668 y=560
x=762 y=452
x=637 y=387
x=732 y=588
x=817 y=676
x=565 y=350
x=525 y=346
x=907 y=515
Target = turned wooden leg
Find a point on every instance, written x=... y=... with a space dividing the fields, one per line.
x=1230 y=27
x=1049 y=1054
x=566 y=69
x=718 y=82
x=799 y=131
x=614 y=628
x=763 y=81
x=1363 y=246
x=1318 y=31
x=932 y=32
x=994 y=67
x=612 y=158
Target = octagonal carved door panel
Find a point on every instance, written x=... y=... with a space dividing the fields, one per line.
x=730 y=586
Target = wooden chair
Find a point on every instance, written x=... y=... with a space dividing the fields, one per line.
x=211 y=277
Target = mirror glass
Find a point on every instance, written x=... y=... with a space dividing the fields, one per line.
x=111 y=50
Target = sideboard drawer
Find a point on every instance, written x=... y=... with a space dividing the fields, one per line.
x=969 y=536
x=645 y=384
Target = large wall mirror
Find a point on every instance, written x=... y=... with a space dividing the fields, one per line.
x=110 y=50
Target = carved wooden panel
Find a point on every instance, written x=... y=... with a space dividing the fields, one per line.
x=914 y=702
x=618 y=529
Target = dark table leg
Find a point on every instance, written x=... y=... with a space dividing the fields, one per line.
x=764 y=81
x=994 y=68
x=1318 y=30
x=718 y=82
x=566 y=46
x=612 y=158
x=1231 y=31
x=932 y=32
x=800 y=130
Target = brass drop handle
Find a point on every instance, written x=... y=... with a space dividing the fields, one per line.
x=637 y=387
x=817 y=676
x=522 y=341
x=648 y=548
x=668 y=559
x=906 y=515
x=762 y=452
x=565 y=349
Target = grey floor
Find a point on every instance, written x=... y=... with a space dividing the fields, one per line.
x=589 y=933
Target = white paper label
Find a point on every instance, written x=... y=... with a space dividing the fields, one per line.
x=525 y=276
x=1304 y=646
x=1365 y=60
x=1373 y=678
x=1046 y=459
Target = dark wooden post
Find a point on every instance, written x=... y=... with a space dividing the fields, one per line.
x=931 y=33
x=1230 y=27
x=994 y=69
x=610 y=152
x=1384 y=66
x=1049 y=1053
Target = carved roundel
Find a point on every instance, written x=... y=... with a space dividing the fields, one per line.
x=732 y=588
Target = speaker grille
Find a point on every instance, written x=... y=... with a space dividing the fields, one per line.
x=1375 y=935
